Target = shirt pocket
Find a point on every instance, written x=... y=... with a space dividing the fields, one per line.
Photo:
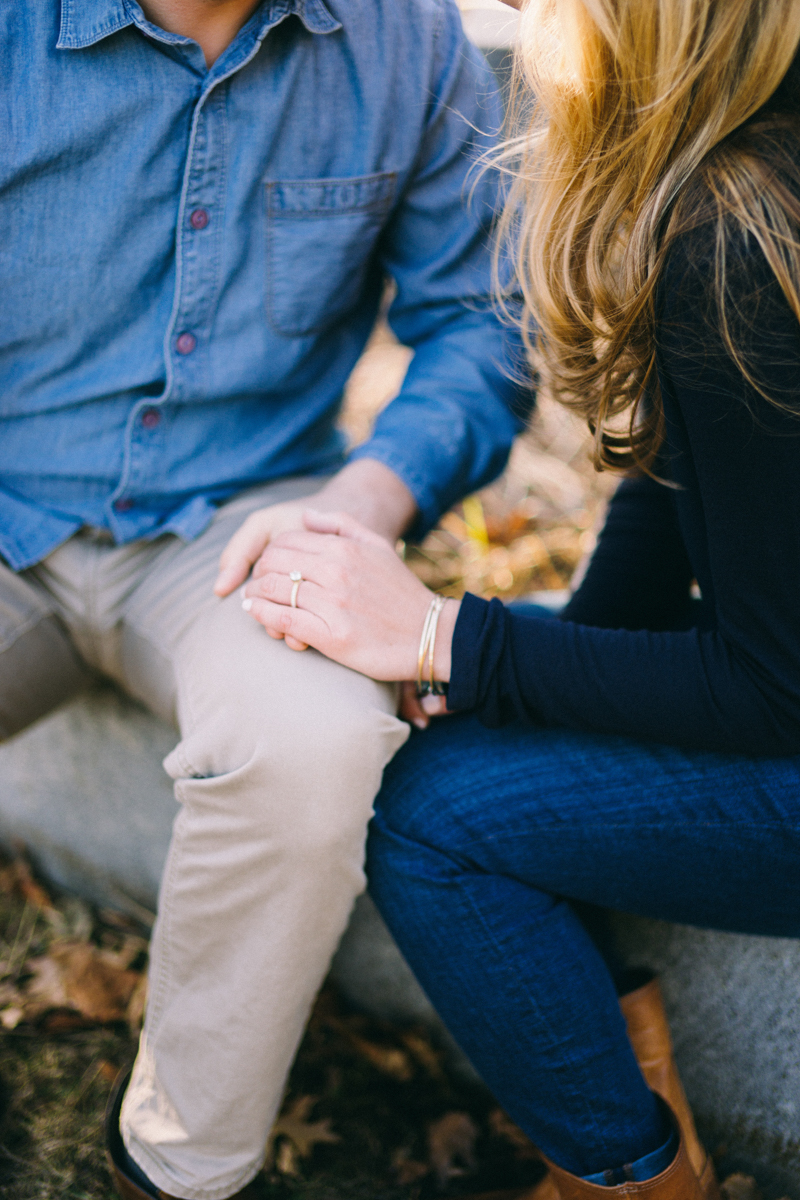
x=321 y=235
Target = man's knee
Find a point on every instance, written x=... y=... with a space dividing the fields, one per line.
x=304 y=776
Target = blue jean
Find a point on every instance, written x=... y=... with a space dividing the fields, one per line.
x=488 y=856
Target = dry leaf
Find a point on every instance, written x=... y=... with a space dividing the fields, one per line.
x=407 y=1170
x=11 y=1017
x=18 y=877
x=451 y=1140
x=134 y=1014
x=46 y=987
x=502 y=1126
x=107 y=1071
x=424 y=1053
x=77 y=975
x=286 y=1158
x=740 y=1187
x=97 y=988
x=388 y=1059
x=303 y=1135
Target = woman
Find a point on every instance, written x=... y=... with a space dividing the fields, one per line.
x=642 y=753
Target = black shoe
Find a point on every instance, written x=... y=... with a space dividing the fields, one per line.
x=131 y=1181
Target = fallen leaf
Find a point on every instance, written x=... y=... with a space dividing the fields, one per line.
x=502 y=1126
x=286 y=1159
x=451 y=1140
x=407 y=1169
x=740 y=1187
x=107 y=1071
x=303 y=1134
x=11 y=1017
x=391 y=1060
x=46 y=987
x=22 y=881
x=424 y=1053
x=76 y=975
x=134 y=1013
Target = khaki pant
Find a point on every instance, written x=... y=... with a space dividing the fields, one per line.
x=279 y=759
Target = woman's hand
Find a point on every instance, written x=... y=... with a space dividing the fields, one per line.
x=357 y=602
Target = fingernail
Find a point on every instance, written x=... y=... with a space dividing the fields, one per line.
x=247 y=604
x=432 y=705
x=420 y=722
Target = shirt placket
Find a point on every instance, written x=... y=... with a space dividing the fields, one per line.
x=198 y=251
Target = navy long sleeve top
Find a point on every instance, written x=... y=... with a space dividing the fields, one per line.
x=633 y=654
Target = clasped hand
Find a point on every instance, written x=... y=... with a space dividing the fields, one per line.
x=357 y=603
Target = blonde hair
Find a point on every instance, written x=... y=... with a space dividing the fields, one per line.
x=633 y=112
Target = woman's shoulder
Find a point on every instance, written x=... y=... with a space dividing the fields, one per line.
x=755 y=174
x=729 y=293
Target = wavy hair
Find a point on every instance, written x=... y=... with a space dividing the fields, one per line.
x=636 y=121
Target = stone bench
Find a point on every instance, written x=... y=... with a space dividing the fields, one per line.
x=84 y=789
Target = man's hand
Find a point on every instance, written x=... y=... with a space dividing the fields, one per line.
x=366 y=490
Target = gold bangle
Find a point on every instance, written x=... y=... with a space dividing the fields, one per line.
x=427 y=646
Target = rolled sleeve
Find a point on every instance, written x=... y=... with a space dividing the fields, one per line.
x=450 y=429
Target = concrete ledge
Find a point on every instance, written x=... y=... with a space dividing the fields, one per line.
x=86 y=792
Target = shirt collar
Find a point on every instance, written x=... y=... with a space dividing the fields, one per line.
x=84 y=22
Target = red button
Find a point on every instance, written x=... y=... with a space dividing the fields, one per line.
x=151 y=418
x=186 y=343
x=123 y=505
x=199 y=218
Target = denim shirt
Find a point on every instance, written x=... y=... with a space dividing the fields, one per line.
x=192 y=259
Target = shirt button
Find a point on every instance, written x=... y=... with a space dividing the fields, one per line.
x=199 y=218
x=123 y=505
x=186 y=343
x=151 y=418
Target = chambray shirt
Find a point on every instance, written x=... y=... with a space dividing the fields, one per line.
x=191 y=260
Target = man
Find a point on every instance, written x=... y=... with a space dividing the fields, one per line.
x=200 y=201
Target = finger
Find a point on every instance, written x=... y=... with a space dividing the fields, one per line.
x=278 y=588
x=278 y=561
x=304 y=542
x=341 y=524
x=294 y=623
x=244 y=548
x=434 y=706
x=410 y=709
x=293 y=644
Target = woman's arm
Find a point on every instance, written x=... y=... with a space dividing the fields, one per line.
x=639 y=576
x=736 y=685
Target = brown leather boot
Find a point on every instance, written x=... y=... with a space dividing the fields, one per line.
x=648 y=1031
x=127 y=1187
x=650 y=1037
x=678 y=1182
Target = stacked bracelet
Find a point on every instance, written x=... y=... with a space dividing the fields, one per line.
x=427 y=646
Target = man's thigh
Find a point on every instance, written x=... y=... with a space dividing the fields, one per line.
x=39 y=667
x=174 y=598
